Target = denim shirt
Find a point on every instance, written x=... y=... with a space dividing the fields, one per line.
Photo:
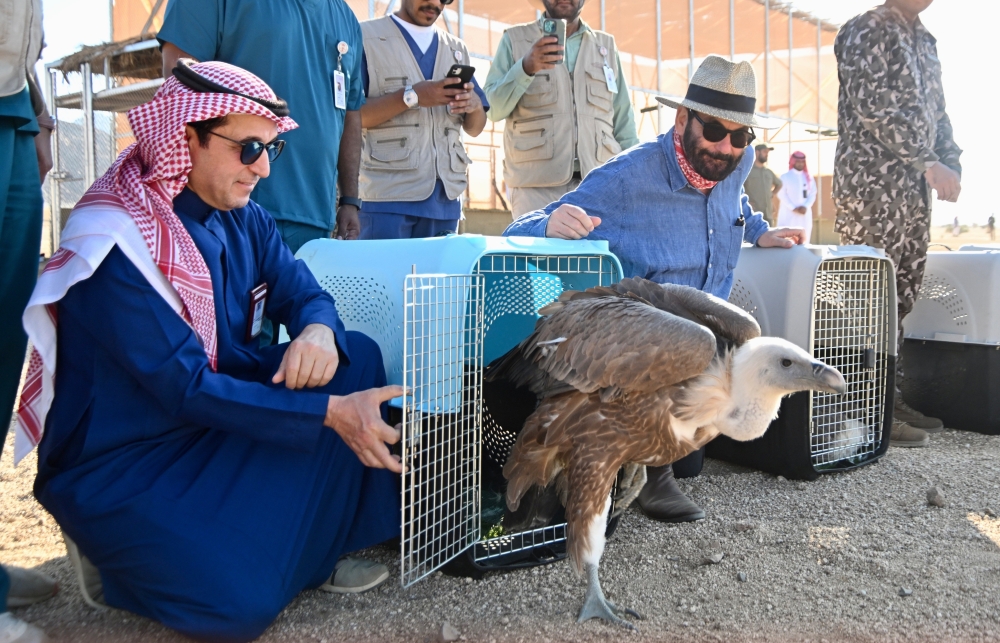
x=657 y=224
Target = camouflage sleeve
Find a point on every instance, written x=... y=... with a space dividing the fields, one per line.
x=879 y=88
x=945 y=146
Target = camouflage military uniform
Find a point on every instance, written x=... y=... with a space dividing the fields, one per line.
x=892 y=124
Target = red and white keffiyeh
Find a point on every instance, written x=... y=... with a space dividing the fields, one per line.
x=799 y=156
x=696 y=180
x=131 y=206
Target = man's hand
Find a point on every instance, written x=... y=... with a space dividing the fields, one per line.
x=432 y=93
x=348 y=223
x=800 y=210
x=945 y=180
x=782 y=238
x=310 y=360
x=465 y=102
x=43 y=150
x=357 y=420
x=570 y=222
x=544 y=54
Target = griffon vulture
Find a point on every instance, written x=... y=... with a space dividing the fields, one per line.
x=638 y=374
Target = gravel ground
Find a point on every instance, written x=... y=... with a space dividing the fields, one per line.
x=823 y=561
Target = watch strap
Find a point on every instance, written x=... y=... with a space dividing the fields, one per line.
x=351 y=200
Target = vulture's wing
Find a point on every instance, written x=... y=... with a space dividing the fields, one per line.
x=727 y=321
x=608 y=344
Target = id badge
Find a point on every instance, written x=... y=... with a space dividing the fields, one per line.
x=339 y=90
x=609 y=78
x=255 y=318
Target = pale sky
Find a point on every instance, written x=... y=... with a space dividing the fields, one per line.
x=964 y=28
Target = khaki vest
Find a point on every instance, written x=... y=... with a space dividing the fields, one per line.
x=402 y=158
x=20 y=43
x=561 y=116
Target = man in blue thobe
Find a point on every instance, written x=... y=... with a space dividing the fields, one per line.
x=207 y=498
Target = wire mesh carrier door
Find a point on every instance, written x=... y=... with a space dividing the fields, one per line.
x=442 y=413
x=838 y=303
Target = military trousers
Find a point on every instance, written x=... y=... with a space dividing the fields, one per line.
x=902 y=230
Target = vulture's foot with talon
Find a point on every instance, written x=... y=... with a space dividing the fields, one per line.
x=595 y=605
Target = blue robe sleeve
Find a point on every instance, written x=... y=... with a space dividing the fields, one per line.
x=194 y=26
x=295 y=298
x=166 y=360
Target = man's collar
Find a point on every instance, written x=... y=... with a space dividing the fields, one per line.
x=583 y=26
x=190 y=204
x=917 y=26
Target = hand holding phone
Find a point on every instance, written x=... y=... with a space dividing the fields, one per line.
x=547 y=52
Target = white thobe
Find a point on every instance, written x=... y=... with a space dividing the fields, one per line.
x=796 y=191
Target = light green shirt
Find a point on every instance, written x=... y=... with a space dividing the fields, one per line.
x=507 y=80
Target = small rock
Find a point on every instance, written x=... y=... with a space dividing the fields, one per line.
x=989 y=512
x=801 y=486
x=468 y=580
x=935 y=498
x=905 y=592
x=713 y=559
x=782 y=479
x=744 y=526
x=505 y=620
x=863 y=593
x=741 y=577
x=448 y=633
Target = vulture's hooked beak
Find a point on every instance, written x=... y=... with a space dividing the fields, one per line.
x=828 y=379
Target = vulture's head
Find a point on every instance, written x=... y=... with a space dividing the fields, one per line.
x=764 y=370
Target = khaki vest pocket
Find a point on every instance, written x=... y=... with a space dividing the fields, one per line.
x=532 y=149
x=599 y=96
x=459 y=158
x=607 y=145
x=388 y=153
x=541 y=92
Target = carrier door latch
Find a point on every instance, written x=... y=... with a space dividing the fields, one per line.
x=869 y=358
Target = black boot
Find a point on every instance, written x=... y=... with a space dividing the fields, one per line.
x=661 y=500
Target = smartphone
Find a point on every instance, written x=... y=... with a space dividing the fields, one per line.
x=557 y=28
x=462 y=73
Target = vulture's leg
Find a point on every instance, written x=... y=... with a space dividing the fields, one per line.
x=633 y=480
x=595 y=605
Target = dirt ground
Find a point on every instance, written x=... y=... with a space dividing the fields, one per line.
x=823 y=561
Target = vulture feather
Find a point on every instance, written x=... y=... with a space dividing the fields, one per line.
x=638 y=373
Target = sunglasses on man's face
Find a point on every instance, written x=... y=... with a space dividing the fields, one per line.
x=251 y=150
x=714 y=131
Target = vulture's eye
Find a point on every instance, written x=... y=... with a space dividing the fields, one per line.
x=786 y=362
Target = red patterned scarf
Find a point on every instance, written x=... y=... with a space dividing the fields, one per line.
x=142 y=183
x=696 y=180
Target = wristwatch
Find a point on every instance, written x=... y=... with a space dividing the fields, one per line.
x=410 y=97
x=351 y=200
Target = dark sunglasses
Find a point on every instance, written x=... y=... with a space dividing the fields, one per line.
x=250 y=152
x=446 y=2
x=714 y=131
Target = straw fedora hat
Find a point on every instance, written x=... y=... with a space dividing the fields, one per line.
x=724 y=90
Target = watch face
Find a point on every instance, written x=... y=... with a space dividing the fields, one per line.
x=410 y=98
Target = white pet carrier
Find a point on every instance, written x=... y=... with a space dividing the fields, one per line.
x=837 y=303
x=951 y=352
x=441 y=309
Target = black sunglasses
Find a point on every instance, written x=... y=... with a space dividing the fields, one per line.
x=714 y=131
x=251 y=151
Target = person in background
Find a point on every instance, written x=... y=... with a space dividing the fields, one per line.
x=991 y=227
x=762 y=185
x=310 y=53
x=413 y=162
x=567 y=108
x=673 y=210
x=797 y=195
x=25 y=159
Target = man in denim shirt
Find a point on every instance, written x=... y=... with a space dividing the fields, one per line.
x=674 y=211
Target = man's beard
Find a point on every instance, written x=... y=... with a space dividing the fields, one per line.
x=708 y=165
x=557 y=12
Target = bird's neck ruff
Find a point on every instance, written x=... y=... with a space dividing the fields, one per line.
x=730 y=398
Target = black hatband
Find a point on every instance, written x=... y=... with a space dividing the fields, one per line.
x=193 y=80
x=721 y=100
